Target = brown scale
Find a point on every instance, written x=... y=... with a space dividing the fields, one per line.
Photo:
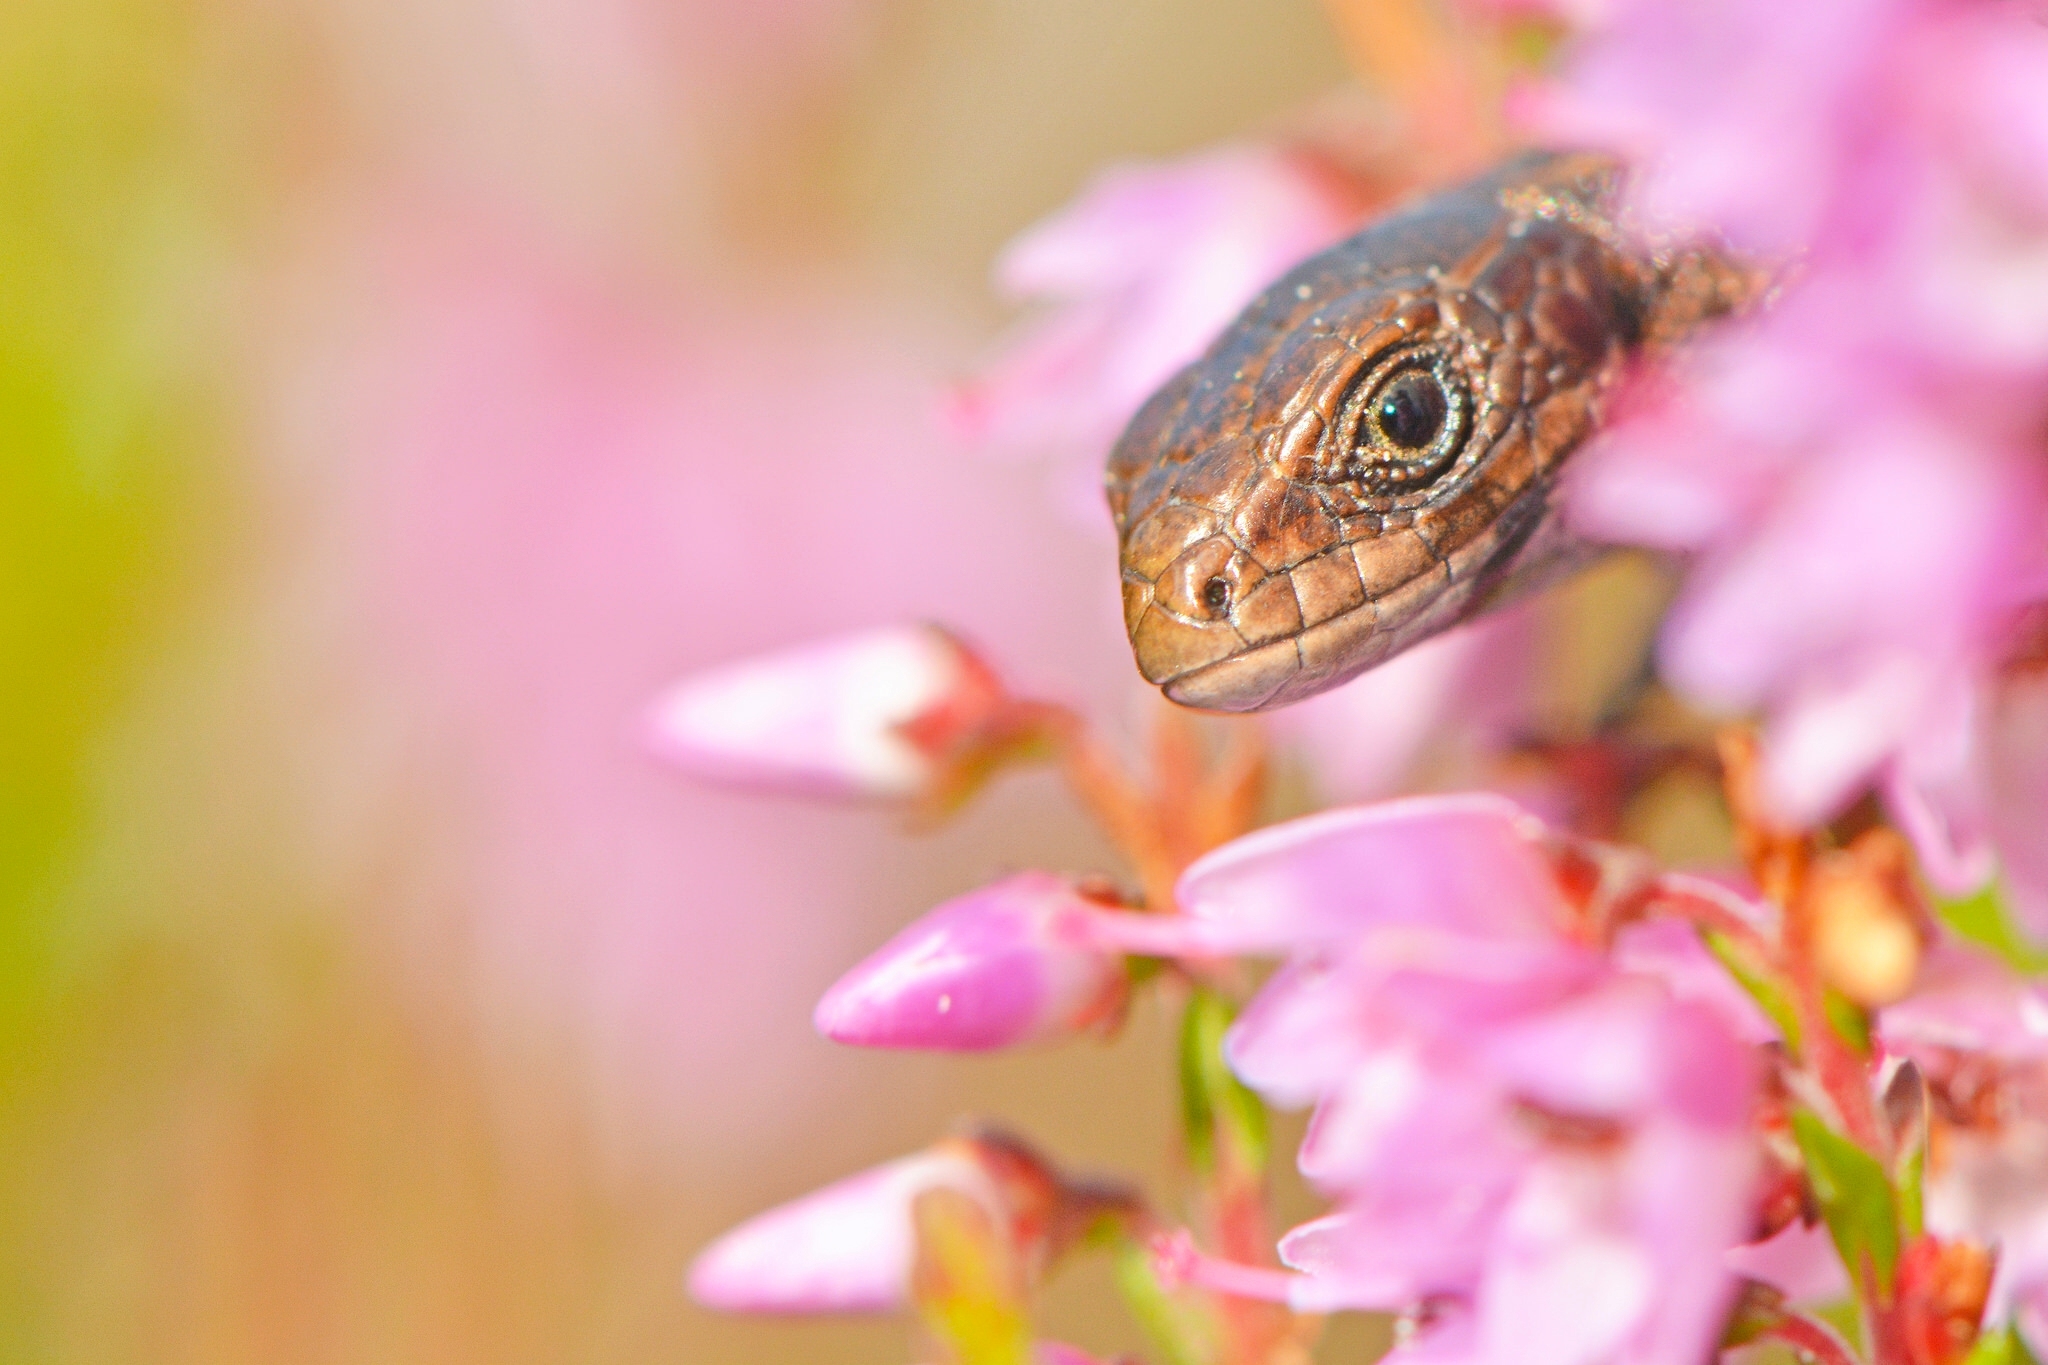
x=1369 y=454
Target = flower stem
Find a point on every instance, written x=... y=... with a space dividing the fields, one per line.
x=1193 y=805
x=1780 y=859
x=1123 y=811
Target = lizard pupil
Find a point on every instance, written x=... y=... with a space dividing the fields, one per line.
x=1411 y=410
x=1216 y=594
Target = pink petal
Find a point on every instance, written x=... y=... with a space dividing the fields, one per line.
x=1672 y=954
x=1626 y=1051
x=1969 y=1001
x=1684 y=1190
x=1360 y=1117
x=1934 y=793
x=1331 y=1283
x=1414 y=1131
x=1830 y=736
x=1300 y=1035
x=2015 y=748
x=1988 y=1188
x=1803 y=587
x=1995 y=122
x=1318 y=1016
x=1690 y=464
x=1597 y=1054
x=1455 y=863
x=1566 y=1300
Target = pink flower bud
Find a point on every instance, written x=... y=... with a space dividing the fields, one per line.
x=846 y=1248
x=877 y=714
x=1023 y=959
x=851 y=1247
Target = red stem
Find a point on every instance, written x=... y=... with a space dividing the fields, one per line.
x=1674 y=896
x=1124 y=812
x=1841 y=1073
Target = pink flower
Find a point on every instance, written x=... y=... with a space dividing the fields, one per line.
x=1139 y=274
x=1547 y=1149
x=843 y=1249
x=850 y=1247
x=1024 y=959
x=1744 y=114
x=1858 y=471
x=1979 y=1032
x=1972 y=793
x=876 y=714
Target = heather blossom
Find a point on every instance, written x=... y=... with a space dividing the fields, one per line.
x=1551 y=1151
x=852 y=1246
x=1567 y=1107
x=1027 y=958
x=843 y=1248
x=882 y=714
x=1857 y=473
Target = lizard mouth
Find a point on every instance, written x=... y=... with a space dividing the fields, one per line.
x=1247 y=681
x=1211 y=667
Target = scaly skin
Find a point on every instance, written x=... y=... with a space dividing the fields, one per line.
x=1283 y=528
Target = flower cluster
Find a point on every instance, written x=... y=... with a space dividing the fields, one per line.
x=1567 y=1107
x=1860 y=472
x=1535 y=1130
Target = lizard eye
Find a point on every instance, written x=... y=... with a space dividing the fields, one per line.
x=1410 y=409
x=1407 y=424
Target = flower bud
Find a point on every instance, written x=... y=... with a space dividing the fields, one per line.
x=1023 y=959
x=851 y=1246
x=846 y=1248
x=882 y=714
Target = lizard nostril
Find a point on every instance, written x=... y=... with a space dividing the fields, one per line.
x=1216 y=594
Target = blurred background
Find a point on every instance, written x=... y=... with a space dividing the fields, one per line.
x=395 y=398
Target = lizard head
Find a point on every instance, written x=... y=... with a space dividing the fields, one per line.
x=1366 y=456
